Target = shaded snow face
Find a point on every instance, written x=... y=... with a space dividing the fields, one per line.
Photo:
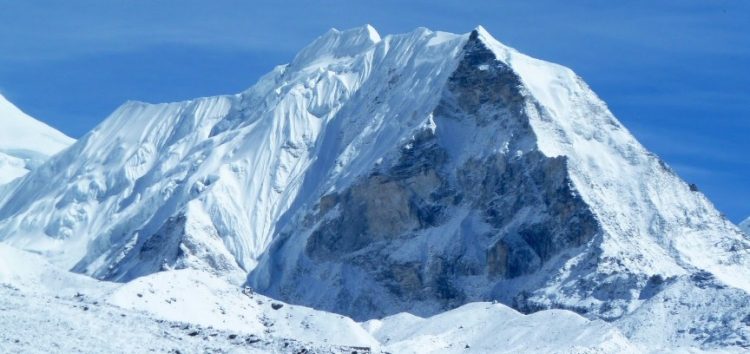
x=453 y=219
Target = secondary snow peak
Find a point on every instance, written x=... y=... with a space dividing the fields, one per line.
x=336 y=44
x=25 y=143
x=372 y=33
x=22 y=132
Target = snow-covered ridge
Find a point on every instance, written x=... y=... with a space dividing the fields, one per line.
x=242 y=159
x=25 y=143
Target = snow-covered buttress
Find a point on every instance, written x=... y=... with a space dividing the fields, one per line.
x=416 y=172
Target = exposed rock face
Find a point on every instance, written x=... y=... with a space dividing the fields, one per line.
x=187 y=240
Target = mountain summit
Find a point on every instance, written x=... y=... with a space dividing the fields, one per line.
x=414 y=172
x=25 y=142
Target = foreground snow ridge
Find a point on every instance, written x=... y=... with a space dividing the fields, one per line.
x=425 y=191
x=193 y=311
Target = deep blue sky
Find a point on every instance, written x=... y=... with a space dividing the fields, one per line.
x=677 y=73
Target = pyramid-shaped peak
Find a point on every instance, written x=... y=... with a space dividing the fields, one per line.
x=481 y=34
x=479 y=30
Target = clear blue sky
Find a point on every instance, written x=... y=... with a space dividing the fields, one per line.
x=677 y=73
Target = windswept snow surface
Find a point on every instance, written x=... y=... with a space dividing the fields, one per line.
x=25 y=143
x=44 y=308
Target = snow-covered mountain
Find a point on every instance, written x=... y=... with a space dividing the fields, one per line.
x=411 y=173
x=510 y=181
x=25 y=143
x=745 y=226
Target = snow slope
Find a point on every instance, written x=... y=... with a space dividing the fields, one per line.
x=193 y=311
x=196 y=297
x=79 y=314
x=745 y=226
x=25 y=143
x=496 y=328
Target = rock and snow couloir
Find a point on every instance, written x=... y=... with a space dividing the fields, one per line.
x=25 y=143
x=410 y=173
